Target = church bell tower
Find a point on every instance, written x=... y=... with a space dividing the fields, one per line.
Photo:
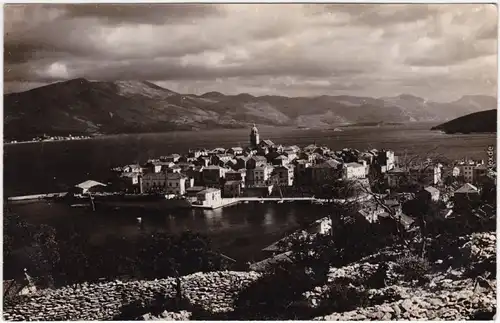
x=254 y=137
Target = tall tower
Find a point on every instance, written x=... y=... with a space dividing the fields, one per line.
x=254 y=137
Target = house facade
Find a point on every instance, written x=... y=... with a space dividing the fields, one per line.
x=212 y=175
x=284 y=175
x=178 y=183
x=353 y=171
x=209 y=197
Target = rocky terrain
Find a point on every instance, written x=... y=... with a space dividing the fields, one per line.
x=82 y=107
x=449 y=294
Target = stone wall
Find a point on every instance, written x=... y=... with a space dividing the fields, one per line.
x=102 y=301
x=449 y=295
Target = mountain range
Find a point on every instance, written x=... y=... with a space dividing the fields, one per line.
x=83 y=107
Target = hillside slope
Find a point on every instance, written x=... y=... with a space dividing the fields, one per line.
x=450 y=294
x=483 y=121
x=86 y=107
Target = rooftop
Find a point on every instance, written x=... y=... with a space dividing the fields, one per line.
x=195 y=189
x=467 y=188
x=88 y=184
x=431 y=189
x=354 y=165
x=209 y=190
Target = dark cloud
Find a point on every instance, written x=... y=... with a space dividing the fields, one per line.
x=372 y=49
x=152 y=13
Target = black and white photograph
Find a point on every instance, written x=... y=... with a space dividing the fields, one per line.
x=249 y=161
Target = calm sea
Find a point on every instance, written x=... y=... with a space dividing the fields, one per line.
x=239 y=231
x=54 y=166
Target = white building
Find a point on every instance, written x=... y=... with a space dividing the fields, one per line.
x=209 y=197
x=467 y=169
x=353 y=170
x=262 y=175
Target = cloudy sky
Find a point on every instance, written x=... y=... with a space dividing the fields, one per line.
x=439 y=52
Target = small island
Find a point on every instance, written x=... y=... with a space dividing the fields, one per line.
x=478 y=122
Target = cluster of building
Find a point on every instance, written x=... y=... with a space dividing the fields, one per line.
x=253 y=170
x=263 y=166
x=50 y=138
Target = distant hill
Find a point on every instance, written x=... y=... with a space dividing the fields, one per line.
x=82 y=107
x=483 y=121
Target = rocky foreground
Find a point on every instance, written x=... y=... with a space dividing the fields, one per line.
x=449 y=294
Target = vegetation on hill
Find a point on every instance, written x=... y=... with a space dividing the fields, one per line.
x=483 y=121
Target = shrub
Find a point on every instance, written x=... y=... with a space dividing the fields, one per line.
x=342 y=296
x=412 y=268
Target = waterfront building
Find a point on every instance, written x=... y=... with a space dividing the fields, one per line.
x=259 y=176
x=153 y=182
x=284 y=175
x=353 y=170
x=177 y=183
x=192 y=192
x=233 y=188
x=254 y=137
x=209 y=197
